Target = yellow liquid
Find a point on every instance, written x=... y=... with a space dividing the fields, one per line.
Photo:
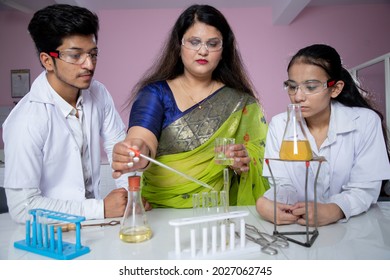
x=226 y=161
x=302 y=151
x=135 y=234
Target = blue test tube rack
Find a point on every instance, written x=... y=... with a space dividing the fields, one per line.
x=41 y=237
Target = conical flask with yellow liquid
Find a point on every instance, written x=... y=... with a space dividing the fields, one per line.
x=295 y=145
x=134 y=224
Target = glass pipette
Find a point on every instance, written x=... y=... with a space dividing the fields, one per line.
x=138 y=154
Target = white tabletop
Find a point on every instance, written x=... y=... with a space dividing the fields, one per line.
x=366 y=236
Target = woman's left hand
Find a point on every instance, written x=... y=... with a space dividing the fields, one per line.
x=241 y=158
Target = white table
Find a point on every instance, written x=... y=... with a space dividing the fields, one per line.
x=366 y=236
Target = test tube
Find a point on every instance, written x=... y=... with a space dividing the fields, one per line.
x=214 y=201
x=195 y=204
x=39 y=228
x=45 y=232
x=223 y=201
x=196 y=212
x=205 y=202
x=226 y=187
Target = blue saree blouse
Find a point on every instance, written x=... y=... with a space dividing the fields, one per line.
x=155 y=108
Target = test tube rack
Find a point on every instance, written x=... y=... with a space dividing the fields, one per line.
x=41 y=236
x=216 y=236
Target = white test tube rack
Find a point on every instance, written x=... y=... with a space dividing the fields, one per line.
x=222 y=239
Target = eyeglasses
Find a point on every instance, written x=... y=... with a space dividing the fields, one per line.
x=75 y=56
x=308 y=87
x=212 y=45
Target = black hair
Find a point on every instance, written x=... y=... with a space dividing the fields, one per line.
x=230 y=70
x=50 y=25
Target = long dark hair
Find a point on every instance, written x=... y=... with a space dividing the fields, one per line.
x=230 y=70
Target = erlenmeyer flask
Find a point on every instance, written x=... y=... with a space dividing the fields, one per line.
x=295 y=145
x=134 y=225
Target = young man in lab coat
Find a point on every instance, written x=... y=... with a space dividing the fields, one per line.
x=52 y=137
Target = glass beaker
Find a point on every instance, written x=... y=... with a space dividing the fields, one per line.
x=295 y=145
x=134 y=225
x=222 y=152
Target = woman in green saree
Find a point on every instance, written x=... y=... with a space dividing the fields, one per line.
x=197 y=91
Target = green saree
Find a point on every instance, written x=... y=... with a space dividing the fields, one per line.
x=187 y=145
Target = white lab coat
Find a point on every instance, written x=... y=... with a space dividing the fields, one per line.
x=356 y=162
x=40 y=150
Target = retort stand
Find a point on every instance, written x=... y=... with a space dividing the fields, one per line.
x=310 y=234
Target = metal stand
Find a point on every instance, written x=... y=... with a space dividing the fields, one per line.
x=311 y=235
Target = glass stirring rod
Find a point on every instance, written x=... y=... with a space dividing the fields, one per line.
x=138 y=154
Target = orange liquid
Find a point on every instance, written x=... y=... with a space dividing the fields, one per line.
x=302 y=150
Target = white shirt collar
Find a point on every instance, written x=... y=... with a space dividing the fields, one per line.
x=64 y=106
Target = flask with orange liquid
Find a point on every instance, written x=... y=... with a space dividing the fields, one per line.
x=295 y=145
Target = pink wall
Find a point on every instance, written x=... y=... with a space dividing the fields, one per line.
x=130 y=39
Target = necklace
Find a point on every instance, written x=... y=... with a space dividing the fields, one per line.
x=192 y=99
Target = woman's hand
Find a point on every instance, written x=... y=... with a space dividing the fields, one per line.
x=265 y=208
x=326 y=213
x=125 y=159
x=241 y=158
x=289 y=214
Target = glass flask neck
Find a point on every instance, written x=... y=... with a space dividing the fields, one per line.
x=295 y=145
